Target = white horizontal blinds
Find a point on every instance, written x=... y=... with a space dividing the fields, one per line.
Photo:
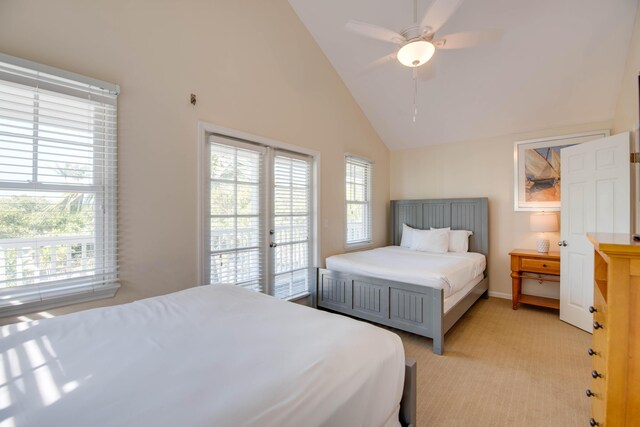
x=57 y=185
x=292 y=209
x=236 y=221
x=358 y=179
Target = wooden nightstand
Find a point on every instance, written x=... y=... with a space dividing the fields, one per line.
x=530 y=264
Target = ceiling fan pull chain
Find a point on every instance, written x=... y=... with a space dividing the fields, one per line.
x=415 y=93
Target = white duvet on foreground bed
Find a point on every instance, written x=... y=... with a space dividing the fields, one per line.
x=450 y=271
x=206 y=356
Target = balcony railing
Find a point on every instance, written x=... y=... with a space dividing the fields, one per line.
x=28 y=261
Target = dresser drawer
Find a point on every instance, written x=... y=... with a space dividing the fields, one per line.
x=599 y=385
x=600 y=306
x=597 y=410
x=599 y=359
x=540 y=266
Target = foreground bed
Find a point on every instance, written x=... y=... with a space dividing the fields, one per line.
x=207 y=356
x=405 y=299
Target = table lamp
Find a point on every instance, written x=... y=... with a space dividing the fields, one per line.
x=540 y=223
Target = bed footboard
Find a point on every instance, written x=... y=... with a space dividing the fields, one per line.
x=408 y=307
x=408 y=404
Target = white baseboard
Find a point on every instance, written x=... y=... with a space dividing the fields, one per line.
x=499 y=295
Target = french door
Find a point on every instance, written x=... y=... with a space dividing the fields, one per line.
x=259 y=217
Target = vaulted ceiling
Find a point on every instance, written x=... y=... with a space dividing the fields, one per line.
x=558 y=63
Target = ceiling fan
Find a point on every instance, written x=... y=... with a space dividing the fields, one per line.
x=418 y=43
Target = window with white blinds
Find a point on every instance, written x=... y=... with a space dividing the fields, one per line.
x=236 y=223
x=259 y=217
x=292 y=224
x=358 y=178
x=57 y=187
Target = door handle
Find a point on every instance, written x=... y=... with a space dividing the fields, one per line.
x=562 y=243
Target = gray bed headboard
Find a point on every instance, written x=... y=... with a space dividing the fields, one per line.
x=459 y=214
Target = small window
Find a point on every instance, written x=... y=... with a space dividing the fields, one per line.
x=358 y=172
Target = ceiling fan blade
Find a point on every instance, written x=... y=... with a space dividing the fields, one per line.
x=427 y=71
x=377 y=63
x=468 y=39
x=439 y=12
x=374 y=32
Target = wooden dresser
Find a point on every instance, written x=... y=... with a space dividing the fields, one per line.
x=615 y=350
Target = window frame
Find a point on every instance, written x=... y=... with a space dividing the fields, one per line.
x=368 y=204
x=62 y=292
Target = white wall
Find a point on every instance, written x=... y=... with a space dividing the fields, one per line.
x=253 y=66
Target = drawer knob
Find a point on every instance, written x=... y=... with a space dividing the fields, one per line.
x=591 y=352
x=596 y=374
x=589 y=393
x=592 y=309
x=544 y=265
x=593 y=423
x=597 y=325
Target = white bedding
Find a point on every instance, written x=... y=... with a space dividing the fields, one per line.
x=206 y=356
x=451 y=271
x=452 y=300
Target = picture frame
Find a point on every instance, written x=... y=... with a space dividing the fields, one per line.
x=536 y=170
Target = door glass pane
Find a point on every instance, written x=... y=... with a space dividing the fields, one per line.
x=235 y=220
x=292 y=220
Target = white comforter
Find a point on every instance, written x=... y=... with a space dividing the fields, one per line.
x=450 y=271
x=207 y=356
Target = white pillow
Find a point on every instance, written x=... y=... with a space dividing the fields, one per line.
x=430 y=241
x=458 y=239
x=407 y=236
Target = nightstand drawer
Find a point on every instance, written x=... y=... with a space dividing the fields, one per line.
x=540 y=266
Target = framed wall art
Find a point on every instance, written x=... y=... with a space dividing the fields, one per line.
x=537 y=174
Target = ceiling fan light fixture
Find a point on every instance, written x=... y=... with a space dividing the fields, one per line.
x=416 y=53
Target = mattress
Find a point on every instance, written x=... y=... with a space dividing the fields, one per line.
x=206 y=356
x=450 y=271
x=452 y=300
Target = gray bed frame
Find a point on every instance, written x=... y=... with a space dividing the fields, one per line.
x=405 y=306
x=409 y=403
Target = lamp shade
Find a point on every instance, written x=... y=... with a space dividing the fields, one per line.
x=416 y=53
x=542 y=222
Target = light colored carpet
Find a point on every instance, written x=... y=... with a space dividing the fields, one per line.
x=504 y=368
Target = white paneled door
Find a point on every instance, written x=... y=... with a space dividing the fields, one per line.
x=260 y=217
x=596 y=197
